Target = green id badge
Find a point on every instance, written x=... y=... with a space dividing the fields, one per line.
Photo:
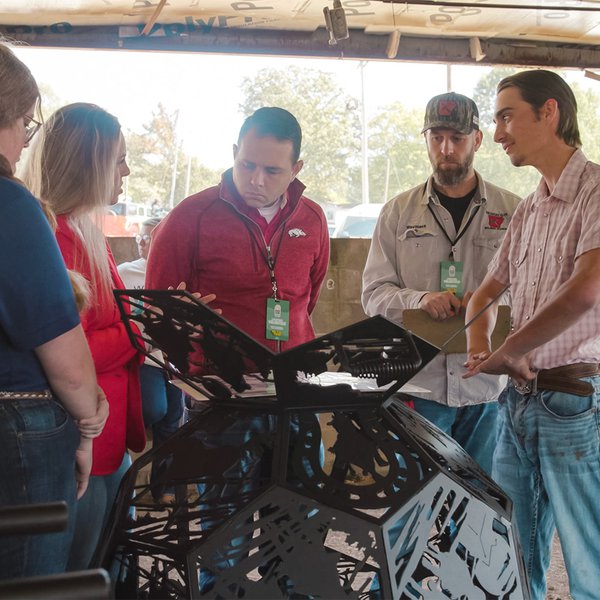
x=451 y=277
x=278 y=319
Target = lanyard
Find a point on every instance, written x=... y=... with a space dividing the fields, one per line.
x=453 y=243
x=267 y=256
x=271 y=264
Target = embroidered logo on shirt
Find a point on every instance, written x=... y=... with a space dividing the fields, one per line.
x=495 y=221
x=297 y=232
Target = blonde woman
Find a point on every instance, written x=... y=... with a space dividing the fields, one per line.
x=47 y=379
x=77 y=167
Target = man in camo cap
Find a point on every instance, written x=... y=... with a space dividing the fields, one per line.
x=451 y=111
x=430 y=250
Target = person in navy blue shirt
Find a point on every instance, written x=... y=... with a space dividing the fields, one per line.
x=50 y=405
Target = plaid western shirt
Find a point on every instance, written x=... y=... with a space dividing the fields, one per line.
x=546 y=235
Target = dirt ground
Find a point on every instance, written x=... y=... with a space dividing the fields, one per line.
x=558 y=584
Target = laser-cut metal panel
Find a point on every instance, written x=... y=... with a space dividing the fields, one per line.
x=449 y=456
x=196 y=340
x=365 y=464
x=336 y=493
x=294 y=547
x=237 y=520
x=375 y=347
x=445 y=543
x=200 y=343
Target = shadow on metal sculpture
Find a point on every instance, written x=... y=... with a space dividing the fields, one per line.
x=324 y=487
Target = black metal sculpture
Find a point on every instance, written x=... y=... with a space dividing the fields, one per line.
x=316 y=491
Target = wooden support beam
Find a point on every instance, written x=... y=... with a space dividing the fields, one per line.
x=360 y=45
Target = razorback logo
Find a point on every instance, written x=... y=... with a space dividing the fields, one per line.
x=495 y=221
x=297 y=232
x=446 y=107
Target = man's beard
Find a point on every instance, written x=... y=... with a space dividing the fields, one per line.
x=451 y=177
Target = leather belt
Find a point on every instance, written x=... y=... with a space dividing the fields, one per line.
x=565 y=379
x=43 y=395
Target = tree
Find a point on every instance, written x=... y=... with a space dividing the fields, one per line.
x=153 y=155
x=160 y=170
x=200 y=177
x=330 y=127
x=398 y=156
x=588 y=105
x=484 y=94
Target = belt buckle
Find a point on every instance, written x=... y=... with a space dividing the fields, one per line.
x=528 y=388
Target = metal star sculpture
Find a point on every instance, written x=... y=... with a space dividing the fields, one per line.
x=318 y=489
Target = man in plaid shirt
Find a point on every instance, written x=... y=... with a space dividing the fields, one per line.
x=547 y=455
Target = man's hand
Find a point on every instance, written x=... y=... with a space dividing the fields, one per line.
x=500 y=362
x=476 y=357
x=204 y=299
x=83 y=466
x=441 y=305
x=92 y=427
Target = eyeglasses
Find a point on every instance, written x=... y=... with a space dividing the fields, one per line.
x=31 y=128
x=142 y=238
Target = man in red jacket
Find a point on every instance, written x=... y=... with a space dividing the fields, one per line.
x=253 y=240
x=263 y=248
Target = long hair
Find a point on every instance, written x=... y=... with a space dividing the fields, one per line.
x=18 y=93
x=71 y=168
x=537 y=86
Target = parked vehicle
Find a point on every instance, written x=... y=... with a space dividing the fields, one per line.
x=125 y=218
x=357 y=222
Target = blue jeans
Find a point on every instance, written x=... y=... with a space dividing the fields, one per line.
x=38 y=440
x=241 y=479
x=92 y=512
x=162 y=403
x=162 y=407
x=473 y=426
x=547 y=459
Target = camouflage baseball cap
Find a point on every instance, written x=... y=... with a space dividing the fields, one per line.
x=451 y=111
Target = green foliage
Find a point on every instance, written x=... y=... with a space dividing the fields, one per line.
x=160 y=170
x=490 y=160
x=151 y=156
x=398 y=156
x=495 y=166
x=484 y=94
x=331 y=148
x=330 y=127
x=201 y=177
x=395 y=141
x=588 y=108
